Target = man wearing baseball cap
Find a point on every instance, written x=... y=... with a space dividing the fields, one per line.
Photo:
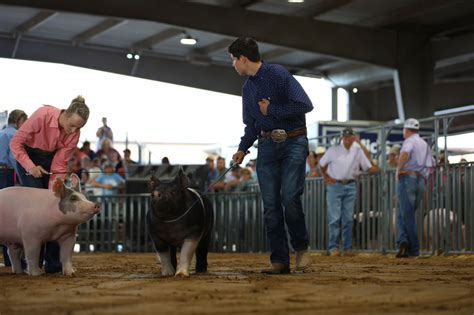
x=413 y=167
x=340 y=167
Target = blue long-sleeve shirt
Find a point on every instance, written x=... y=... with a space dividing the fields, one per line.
x=6 y=156
x=288 y=103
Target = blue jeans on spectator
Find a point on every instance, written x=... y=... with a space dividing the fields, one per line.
x=340 y=200
x=281 y=176
x=410 y=191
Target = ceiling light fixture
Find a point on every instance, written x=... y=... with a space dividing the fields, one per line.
x=295 y=1
x=188 y=40
x=129 y=56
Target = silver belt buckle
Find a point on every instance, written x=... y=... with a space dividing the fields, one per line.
x=278 y=135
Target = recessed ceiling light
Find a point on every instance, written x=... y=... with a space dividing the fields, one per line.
x=188 y=40
x=129 y=56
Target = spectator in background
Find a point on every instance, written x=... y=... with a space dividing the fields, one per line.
x=220 y=185
x=340 y=167
x=253 y=166
x=85 y=165
x=312 y=165
x=246 y=179
x=233 y=181
x=7 y=161
x=44 y=144
x=104 y=132
x=211 y=171
x=165 y=161
x=107 y=153
x=122 y=166
x=94 y=171
x=86 y=149
x=393 y=155
x=109 y=181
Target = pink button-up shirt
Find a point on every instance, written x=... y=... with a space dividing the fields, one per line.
x=42 y=131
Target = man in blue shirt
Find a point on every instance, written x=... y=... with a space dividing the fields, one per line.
x=274 y=108
x=7 y=161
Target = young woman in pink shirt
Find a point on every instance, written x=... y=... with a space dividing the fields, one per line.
x=43 y=145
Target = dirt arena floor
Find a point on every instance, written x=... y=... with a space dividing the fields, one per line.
x=132 y=284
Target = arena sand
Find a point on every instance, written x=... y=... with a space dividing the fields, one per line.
x=132 y=284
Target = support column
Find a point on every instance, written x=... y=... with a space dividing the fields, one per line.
x=413 y=80
x=334 y=103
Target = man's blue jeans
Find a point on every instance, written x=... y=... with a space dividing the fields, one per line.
x=281 y=176
x=340 y=204
x=410 y=191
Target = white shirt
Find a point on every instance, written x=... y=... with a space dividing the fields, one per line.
x=345 y=164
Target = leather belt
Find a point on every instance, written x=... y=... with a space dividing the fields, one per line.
x=282 y=134
x=407 y=172
x=345 y=181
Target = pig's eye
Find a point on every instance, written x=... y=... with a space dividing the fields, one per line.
x=74 y=198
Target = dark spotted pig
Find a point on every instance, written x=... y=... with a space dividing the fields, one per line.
x=29 y=217
x=179 y=216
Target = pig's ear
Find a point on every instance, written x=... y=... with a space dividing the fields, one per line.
x=75 y=182
x=58 y=186
x=182 y=178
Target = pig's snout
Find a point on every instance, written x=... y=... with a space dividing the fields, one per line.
x=156 y=194
x=96 y=208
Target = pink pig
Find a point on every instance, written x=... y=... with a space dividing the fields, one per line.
x=29 y=217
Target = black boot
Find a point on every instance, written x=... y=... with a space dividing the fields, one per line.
x=6 y=258
x=51 y=256
x=403 y=251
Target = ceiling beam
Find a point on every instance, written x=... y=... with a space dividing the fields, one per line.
x=276 y=53
x=35 y=21
x=375 y=46
x=362 y=74
x=454 y=48
x=243 y=3
x=96 y=30
x=153 y=66
x=148 y=43
x=216 y=46
x=322 y=7
x=417 y=8
x=317 y=63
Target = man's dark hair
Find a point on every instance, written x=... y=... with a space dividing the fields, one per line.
x=245 y=46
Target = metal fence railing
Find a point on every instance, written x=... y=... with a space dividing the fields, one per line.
x=445 y=220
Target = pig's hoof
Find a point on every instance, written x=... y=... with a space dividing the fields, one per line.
x=182 y=273
x=167 y=273
x=69 y=272
x=34 y=272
